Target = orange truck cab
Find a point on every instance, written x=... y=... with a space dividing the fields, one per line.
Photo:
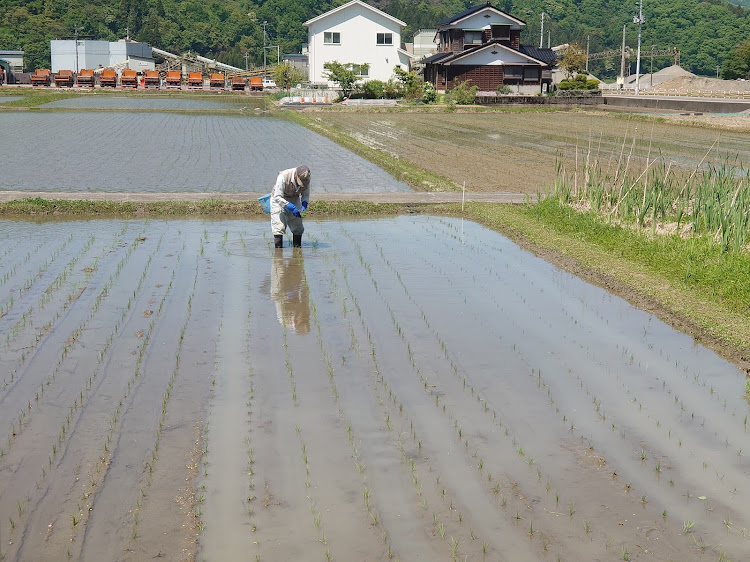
x=151 y=79
x=256 y=84
x=86 y=77
x=129 y=78
x=217 y=80
x=195 y=80
x=108 y=78
x=41 y=77
x=64 y=78
x=174 y=79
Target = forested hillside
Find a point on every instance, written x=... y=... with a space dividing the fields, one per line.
x=704 y=31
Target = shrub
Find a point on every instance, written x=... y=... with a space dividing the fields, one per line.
x=393 y=89
x=373 y=89
x=580 y=82
x=429 y=94
x=462 y=94
x=412 y=83
x=504 y=89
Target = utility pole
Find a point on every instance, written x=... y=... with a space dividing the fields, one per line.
x=718 y=67
x=651 y=80
x=246 y=55
x=75 y=38
x=622 y=60
x=541 y=33
x=265 y=23
x=640 y=21
x=588 y=41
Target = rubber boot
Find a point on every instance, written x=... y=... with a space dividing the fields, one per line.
x=278 y=240
x=296 y=240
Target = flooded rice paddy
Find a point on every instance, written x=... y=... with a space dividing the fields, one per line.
x=519 y=150
x=162 y=152
x=416 y=388
x=151 y=103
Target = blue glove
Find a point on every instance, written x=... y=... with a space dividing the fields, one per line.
x=304 y=206
x=293 y=209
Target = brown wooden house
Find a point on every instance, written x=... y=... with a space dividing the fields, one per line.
x=482 y=45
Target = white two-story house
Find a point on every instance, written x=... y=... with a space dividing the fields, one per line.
x=359 y=34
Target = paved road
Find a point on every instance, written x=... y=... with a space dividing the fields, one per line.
x=414 y=197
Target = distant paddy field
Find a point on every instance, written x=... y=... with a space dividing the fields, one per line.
x=171 y=152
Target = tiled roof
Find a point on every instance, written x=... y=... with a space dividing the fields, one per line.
x=437 y=57
x=464 y=14
x=545 y=55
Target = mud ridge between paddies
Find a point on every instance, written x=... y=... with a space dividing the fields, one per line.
x=415 y=198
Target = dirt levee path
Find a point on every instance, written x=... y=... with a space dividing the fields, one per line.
x=389 y=197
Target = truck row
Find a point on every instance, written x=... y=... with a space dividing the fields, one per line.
x=172 y=79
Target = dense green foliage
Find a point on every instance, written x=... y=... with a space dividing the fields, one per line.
x=580 y=82
x=705 y=31
x=696 y=262
x=737 y=64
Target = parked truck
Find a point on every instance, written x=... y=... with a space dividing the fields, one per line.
x=174 y=79
x=151 y=79
x=238 y=83
x=195 y=80
x=256 y=84
x=41 y=77
x=64 y=79
x=217 y=80
x=108 y=78
x=129 y=78
x=85 y=78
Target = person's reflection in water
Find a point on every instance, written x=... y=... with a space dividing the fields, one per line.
x=289 y=290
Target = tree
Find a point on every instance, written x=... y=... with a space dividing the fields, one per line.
x=573 y=59
x=737 y=64
x=580 y=82
x=344 y=74
x=413 y=83
x=286 y=75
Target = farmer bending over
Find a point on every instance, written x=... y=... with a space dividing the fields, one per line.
x=288 y=201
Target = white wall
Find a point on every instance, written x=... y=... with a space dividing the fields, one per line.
x=358 y=27
x=478 y=21
x=485 y=57
x=92 y=54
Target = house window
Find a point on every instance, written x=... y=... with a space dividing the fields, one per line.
x=385 y=38
x=501 y=32
x=361 y=70
x=331 y=38
x=513 y=72
x=472 y=37
x=531 y=74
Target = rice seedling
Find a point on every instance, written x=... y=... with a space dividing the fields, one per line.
x=687 y=527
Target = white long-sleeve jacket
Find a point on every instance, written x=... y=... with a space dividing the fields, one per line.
x=286 y=190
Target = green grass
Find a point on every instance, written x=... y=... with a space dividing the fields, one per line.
x=45 y=209
x=37 y=97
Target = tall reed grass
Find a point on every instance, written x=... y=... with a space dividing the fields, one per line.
x=711 y=201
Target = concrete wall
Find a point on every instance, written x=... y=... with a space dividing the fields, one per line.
x=658 y=103
x=93 y=54
x=14 y=60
